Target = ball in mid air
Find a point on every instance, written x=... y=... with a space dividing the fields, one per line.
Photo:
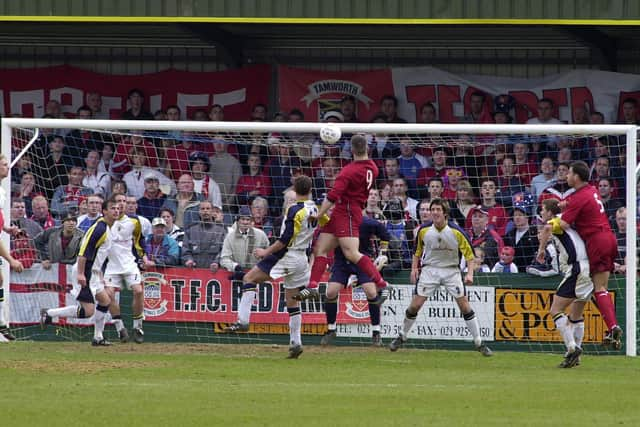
x=330 y=134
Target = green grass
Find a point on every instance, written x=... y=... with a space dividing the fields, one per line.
x=69 y=384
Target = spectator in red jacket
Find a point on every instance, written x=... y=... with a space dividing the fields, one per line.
x=124 y=154
x=255 y=183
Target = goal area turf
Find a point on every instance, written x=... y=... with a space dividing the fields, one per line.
x=72 y=383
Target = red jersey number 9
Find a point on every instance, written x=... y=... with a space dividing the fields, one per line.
x=369 y=179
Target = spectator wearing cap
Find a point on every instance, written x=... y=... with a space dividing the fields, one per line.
x=136 y=111
x=135 y=178
x=225 y=170
x=59 y=244
x=389 y=107
x=503 y=104
x=202 y=182
x=498 y=217
x=238 y=257
x=161 y=249
x=484 y=235
x=523 y=237
x=66 y=198
x=203 y=240
x=123 y=160
x=255 y=182
x=153 y=198
x=237 y=249
x=186 y=202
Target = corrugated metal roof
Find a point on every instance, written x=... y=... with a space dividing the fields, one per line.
x=385 y=9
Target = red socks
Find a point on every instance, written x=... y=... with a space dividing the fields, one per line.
x=366 y=265
x=317 y=270
x=608 y=311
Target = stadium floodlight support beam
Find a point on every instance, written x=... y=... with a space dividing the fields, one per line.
x=630 y=132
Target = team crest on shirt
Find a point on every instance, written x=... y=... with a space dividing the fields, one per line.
x=358 y=308
x=154 y=305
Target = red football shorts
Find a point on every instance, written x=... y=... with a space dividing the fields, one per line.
x=344 y=223
x=602 y=250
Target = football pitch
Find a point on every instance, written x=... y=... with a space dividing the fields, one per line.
x=74 y=384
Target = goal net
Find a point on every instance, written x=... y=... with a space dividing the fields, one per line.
x=493 y=176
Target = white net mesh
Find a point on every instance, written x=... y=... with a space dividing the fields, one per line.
x=494 y=184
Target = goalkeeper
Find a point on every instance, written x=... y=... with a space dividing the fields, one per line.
x=438 y=249
x=340 y=277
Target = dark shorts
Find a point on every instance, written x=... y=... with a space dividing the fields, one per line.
x=344 y=223
x=266 y=264
x=602 y=250
x=342 y=269
x=85 y=295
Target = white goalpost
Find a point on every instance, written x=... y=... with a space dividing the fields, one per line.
x=425 y=136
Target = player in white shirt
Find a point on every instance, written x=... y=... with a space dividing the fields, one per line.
x=125 y=256
x=89 y=284
x=576 y=287
x=439 y=247
x=287 y=258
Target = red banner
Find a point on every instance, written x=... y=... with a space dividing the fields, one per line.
x=27 y=91
x=314 y=92
x=198 y=295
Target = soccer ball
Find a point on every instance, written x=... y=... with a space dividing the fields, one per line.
x=330 y=134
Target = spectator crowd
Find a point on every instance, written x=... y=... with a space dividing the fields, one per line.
x=189 y=189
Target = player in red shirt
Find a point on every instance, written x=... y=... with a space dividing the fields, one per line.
x=585 y=211
x=5 y=334
x=347 y=198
